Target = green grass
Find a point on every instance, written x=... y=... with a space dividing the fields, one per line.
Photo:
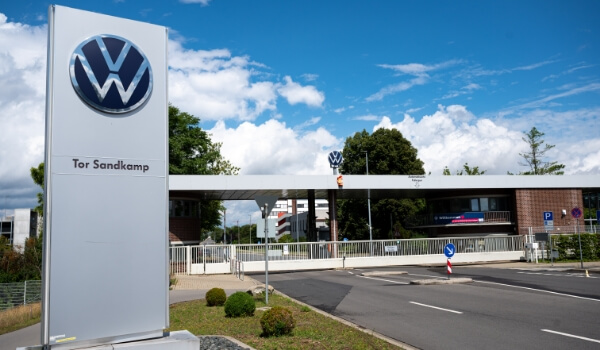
x=313 y=330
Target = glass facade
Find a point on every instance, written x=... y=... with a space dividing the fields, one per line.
x=469 y=204
x=184 y=208
x=591 y=205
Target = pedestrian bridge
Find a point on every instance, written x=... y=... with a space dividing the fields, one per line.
x=220 y=258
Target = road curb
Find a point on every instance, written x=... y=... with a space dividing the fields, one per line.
x=353 y=325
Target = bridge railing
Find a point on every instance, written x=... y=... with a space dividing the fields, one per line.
x=184 y=257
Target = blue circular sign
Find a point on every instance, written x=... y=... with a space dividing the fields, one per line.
x=335 y=159
x=576 y=213
x=449 y=250
x=111 y=74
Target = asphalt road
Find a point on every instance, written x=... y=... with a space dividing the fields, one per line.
x=501 y=309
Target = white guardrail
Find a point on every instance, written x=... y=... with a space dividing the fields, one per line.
x=214 y=259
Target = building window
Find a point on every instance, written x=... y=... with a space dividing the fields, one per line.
x=461 y=205
x=475 y=204
x=184 y=208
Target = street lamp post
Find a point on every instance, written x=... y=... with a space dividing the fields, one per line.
x=225 y=226
x=250 y=215
x=369 y=204
x=266 y=217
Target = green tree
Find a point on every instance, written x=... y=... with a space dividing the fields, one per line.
x=389 y=153
x=18 y=267
x=37 y=174
x=534 y=159
x=467 y=170
x=191 y=152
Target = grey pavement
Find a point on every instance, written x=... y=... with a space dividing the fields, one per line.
x=187 y=288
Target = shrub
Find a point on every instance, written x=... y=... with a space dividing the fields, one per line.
x=216 y=297
x=277 y=321
x=240 y=304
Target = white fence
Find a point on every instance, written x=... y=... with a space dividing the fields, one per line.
x=20 y=293
x=211 y=259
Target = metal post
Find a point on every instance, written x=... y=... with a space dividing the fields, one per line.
x=369 y=206
x=250 y=228
x=266 y=253
x=225 y=226
x=579 y=234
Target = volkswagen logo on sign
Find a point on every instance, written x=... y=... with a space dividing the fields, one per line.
x=335 y=159
x=111 y=74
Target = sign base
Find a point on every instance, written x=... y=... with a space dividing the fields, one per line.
x=179 y=340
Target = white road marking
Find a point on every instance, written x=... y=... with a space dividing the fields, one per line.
x=435 y=307
x=578 y=275
x=571 y=335
x=538 y=290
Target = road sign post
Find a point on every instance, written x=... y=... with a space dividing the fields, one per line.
x=576 y=213
x=449 y=251
x=548 y=220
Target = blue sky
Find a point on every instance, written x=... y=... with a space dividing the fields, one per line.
x=283 y=83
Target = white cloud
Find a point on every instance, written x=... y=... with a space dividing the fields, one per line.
x=416 y=69
x=274 y=148
x=296 y=93
x=22 y=110
x=369 y=118
x=542 y=102
x=463 y=91
x=201 y=2
x=213 y=85
x=419 y=69
x=452 y=136
x=395 y=88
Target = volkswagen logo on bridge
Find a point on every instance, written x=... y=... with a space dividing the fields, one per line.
x=335 y=159
x=111 y=74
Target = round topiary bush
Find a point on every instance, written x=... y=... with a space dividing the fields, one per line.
x=277 y=321
x=240 y=304
x=216 y=297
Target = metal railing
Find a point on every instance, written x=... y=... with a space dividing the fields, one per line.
x=183 y=257
x=19 y=293
x=237 y=268
x=379 y=248
x=557 y=230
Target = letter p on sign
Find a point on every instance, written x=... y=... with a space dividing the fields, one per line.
x=548 y=215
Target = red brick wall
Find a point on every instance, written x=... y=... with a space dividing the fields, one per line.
x=184 y=229
x=532 y=203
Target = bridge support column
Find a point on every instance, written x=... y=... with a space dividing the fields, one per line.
x=310 y=220
x=333 y=224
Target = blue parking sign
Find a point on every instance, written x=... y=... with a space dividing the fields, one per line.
x=548 y=215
